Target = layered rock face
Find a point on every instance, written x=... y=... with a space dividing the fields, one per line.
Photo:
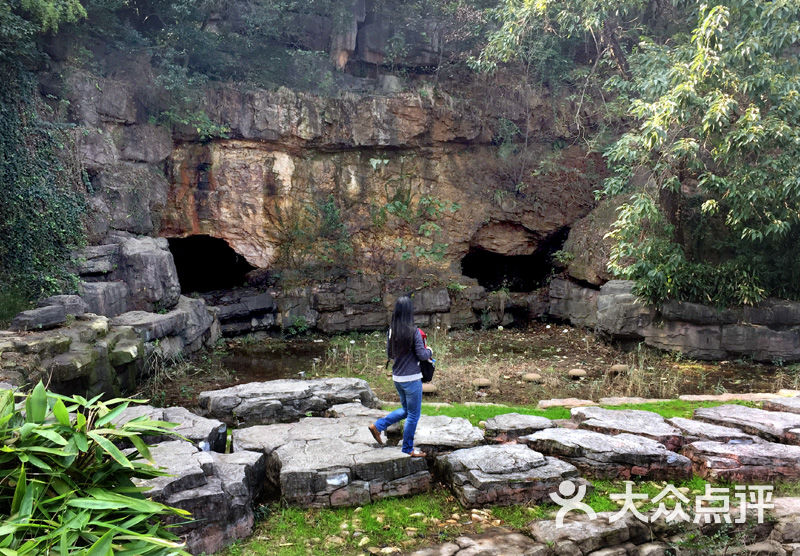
x=768 y=332
x=289 y=150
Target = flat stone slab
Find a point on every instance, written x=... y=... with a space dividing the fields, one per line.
x=564 y=402
x=744 y=463
x=787 y=405
x=496 y=542
x=42 y=318
x=634 y=421
x=281 y=401
x=218 y=490
x=508 y=427
x=439 y=434
x=503 y=475
x=695 y=431
x=206 y=434
x=770 y=425
x=319 y=462
x=621 y=456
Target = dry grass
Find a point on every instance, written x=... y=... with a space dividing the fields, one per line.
x=501 y=356
x=505 y=356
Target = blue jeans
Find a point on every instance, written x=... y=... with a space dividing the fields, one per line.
x=411 y=400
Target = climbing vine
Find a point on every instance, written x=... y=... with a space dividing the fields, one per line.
x=43 y=194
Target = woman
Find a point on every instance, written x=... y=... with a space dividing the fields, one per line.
x=406 y=347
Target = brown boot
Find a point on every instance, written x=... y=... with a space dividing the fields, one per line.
x=376 y=434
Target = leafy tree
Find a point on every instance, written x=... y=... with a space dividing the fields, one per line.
x=718 y=150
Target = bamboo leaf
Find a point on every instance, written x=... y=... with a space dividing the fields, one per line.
x=19 y=490
x=110 y=449
x=36 y=404
x=51 y=435
x=103 y=545
x=61 y=413
x=111 y=415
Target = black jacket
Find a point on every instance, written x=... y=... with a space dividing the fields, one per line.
x=408 y=364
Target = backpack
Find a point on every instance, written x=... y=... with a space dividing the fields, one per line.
x=428 y=366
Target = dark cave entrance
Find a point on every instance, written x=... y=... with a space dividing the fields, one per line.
x=517 y=273
x=206 y=263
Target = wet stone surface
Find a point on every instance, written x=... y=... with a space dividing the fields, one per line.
x=623 y=456
x=503 y=475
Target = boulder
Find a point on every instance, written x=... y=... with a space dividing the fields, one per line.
x=623 y=456
x=699 y=314
x=72 y=304
x=571 y=302
x=105 y=298
x=587 y=245
x=42 y=318
x=97 y=260
x=761 y=342
x=95 y=147
x=634 y=421
x=760 y=463
x=321 y=462
x=439 y=434
x=200 y=328
x=153 y=326
x=282 y=400
x=147 y=267
x=218 y=490
x=773 y=426
x=502 y=475
x=619 y=313
x=508 y=427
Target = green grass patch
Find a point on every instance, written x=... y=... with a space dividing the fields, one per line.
x=678 y=408
x=477 y=413
x=398 y=522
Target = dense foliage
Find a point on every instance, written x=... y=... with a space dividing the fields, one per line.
x=66 y=487
x=711 y=162
x=41 y=181
x=718 y=151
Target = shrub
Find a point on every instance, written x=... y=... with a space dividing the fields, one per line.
x=65 y=485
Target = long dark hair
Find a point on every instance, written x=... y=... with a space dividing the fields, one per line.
x=402 y=328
